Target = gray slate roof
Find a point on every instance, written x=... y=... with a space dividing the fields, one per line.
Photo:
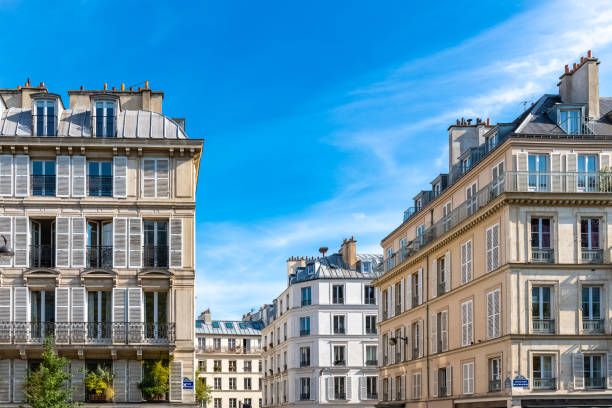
x=334 y=267
x=250 y=328
x=77 y=123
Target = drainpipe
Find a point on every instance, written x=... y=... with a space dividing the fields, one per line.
x=426 y=346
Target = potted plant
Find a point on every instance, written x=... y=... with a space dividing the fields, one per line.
x=100 y=384
x=155 y=382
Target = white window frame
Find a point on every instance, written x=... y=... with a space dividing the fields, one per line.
x=589 y=233
x=471 y=197
x=156 y=177
x=467 y=323
x=468 y=377
x=467 y=273
x=106 y=103
x=416 y=385
x=46 y=103
x=590 y=302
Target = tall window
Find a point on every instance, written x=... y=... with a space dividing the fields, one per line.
x=43 y=178
x=466 y=262
x=42 y=312
x=371 y=358
x=497 y=180
x=446 y=216
x=398 y=297
x=100 y=244
x=100 y=178
x=305 y=388
x=339 y=357
x=339 y=327
x=248 y=366
x=218 y=400
x=587 y=172
x=416 y=386
x=371 y=388
x=471 y=195
x=538 y=177
x=390 y=259
x=232 y=366
x=306 y=296
x=338 y=294
x=543 y=373
x=304 y=326
x=540 y=309
x=370 y=324
x=468 y=378
x=593 y=372
x=416 y=340
x=569 y=121
x=155 y=243
x=99 y=315
x=247 y=383
x=494 y=374
x=232 y=401
x=156 y=315
x=217 y=343
x=232 y=383
x=45 y=118
x=589 y=233
x=591 y=309
x=369 y=295
x=493 y=314
x=105 y=119
x=339 y=388
x=304 y=356
x=217 y=382
x=467 y=336
x=441 y=275
x=420 y=232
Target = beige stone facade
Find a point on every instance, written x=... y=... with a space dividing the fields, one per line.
x=98 y=204
x=500 y=276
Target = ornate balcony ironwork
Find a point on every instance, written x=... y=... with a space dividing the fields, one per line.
x=544 y=383
x=592 y=325
x=592 y=256
x=42 y=256
x=100 y=256
x=543 y=325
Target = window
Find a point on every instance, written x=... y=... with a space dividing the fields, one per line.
x=541 y=310
x=156 y=315
x=217 y=383
x=371 y=388
x=217 y=366
x=385 y=349
x=569 y=121
x=306 y=296
x=491 y=141
x=310 y=268
x=471 y=198
x=466 y=262
x=420 y=232
x=366 y=267
x=540 y=233
x=247 y=402
x=369 y=295
x=155 y=183
x=247 y=383
x=231 y=344
x=285 y=331
x=416 y=386
x=242 y=325
x=100 y=244
x=230 y=326
x=232 y=366
x=99 y=314
x=42 y=313
x=155 y=250
x=497 y=182
x=304 y=326
x=217 y=402
x=494 y=374
x=591 y=309
x=416 y=288
x=100 y=178
x=248 y=366
x=543 y=373
x=467 y=331
x=493 y=314
x=442 y=375
x=232 y=403
x=538 y=177
x=416 y=340
x=45 y=118
x=202 y=366
x=339 y=359
x=232 y=383
x=215 y=325
x=371 y=358
x=492 y=236
x=437 y=188
x=217 y=343
x=587 y=173
x=390 y=259
x=385 y=304
x=338 y=324
x=441 y=275
x=446 y=216
x=105 y=119
x=339 y=388
x=589 y=234
x=304 y=356
x=304 y=388
x=43 y=178
x=338 y=294
x=398 y=298
x=593 y=372
x=439 y=332
x=259 y=366
x=468 y=378
x=398 y=388
x=465 y=164
x=385 y=389
x=370 y=324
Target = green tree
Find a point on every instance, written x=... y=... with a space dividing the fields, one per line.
x=203 y=392
x=155 y=383
x=46 y=387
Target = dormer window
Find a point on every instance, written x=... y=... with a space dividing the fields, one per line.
x=418 y=204
x=569 y=121
x=310 y=269
x=45 y=120
x=437 y=188
x=366 y=267
x=465 y=165
x=104 y=118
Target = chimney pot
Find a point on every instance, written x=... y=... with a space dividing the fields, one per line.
x=42 y=84
x=131 y=88
x=488 y=121
x=575 y=65
x=18 y=86
x=146 y=84
x=581 y=60
x=105 y=86
x=114 y=88
x=123 y=87
x=139 y=88
x=589 y=54
x=82 y=87
x=566 y=69
x=469 y=121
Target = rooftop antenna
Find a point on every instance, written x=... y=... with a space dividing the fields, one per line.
x=524 y=103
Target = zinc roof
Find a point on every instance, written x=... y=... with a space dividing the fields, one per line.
x=248 y=329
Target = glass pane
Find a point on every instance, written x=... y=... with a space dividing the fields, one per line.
x=92 y=306
x=49 y=306
x=162 y=304
x=49 y=167
x=106 y=169
x=37 y=168
x=149 y=307
x=35 y=299
x=94 y=168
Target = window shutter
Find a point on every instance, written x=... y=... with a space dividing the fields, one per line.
x=118 y=315
x=571 y=166
x=578 y=364
x=176 y=242
x=409 y=304
x=469 y=260
x=449 y=380
x=20 y=239
x=119 y=242
x=135 y=305
x=298 y=389
x=348 y=390
x=6 y=301
x=22 y=175
x=162 y=176
x=62 y=178
x=135 y=377
x=78 y=241
x=609 y=370
x=420 y=285
x=5 y=381
x=464 y=263
x=470 y=321
x=420 y=338
x=444 y=330
x=409 y=355
x=402 y=296
x=403 y=389
x=135 y=228
x=62 y=305
x=330 y=388
x=497 y=306
x=490 y=318
x=78 y=311
x=434 y=333
x=604 y=161
x=78 y=376
x=391 y=300
x=79 y=172
x=555 y=168
x=20 y=304
x=495 y=252
x=176 y=381
x=464 y=335
x=6 y=175
x=489 y=240
x=120 y=383
x=314 y=381
x=447 y=271
x=363 y=388
x=120 y=176
x=521 y=166
x=401 y=344
x=434 y=278
x=435 y=382
x=20 y=372
x=62 y=242
x=6 y=231
x=466 y=387
x=148 y=178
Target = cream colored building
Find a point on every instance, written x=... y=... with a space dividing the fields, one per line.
x=497 y=289
x=98 y=204
x=228 y=354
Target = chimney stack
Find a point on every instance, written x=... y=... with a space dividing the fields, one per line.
x=581 y=84
x=349 y=252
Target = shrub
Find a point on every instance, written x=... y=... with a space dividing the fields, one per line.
x=155 y=383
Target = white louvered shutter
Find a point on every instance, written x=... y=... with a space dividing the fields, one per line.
x=466 y=378
x=176 y=381
x=5 y=381
x=20 y=239
x=6 y=175
x=434 y=278
x=330 y=388
x=497 y=316
x=135 y=377
x=135 y=314
x=409 y=355
x=555 y=168
x=470 y=322
x=449 y=380
x=62 y=178
x=495 y=251
x=521 y=167
x=421 y=336
x=348 y=381
x=121 y=380
x=489 y=242
x=78 y=313
x=176 y=242
x=391 y=300
x=120 y=242
x=148 y=178
x=447 y=272
x=6 y=231
x=314 y=381
x=119 y=315
x=6 y=302
x=62 y=242
x=464 y=324
x=22 y=175
x=435 y=382
x=490 y=317
x=78 y=241
x=409 y=304
x=135 y=242
x=363 y=388
x=609 y=370
x=468 y=252
x=571 y=166
x=79 y=174
x=604 y=161
x=434 y=333
x=444 y=329
x=20 y=371
x=420 y=285
x=402 y=296
x=20 y=304
x=62 y=315
x=120 y=164
x=162 y=175
x=578 y=366
x=77 y=367
x=403 y=385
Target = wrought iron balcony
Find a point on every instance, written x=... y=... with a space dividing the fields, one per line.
x=372 y=362
x=592 y=256
x=304 y=396
x=441 y=390
x=544 y=383
x=595 y=382
x=494 y=385
x=304 y=364
x=543 y=325
x=155 y=256
x=370 y=301
x=100 y=186
x=100 y=256
x=542 y=255
x=371 y=330
x=415 y=353
x=441 y=288
x=43 y=185
x=372 y=396
x=415 y=301
x=42 y=256
x=340 y=396
x=398 y=309
x=592 y=325
x=304 y=332
x=340 y=363
x=558 y=182
x=306 y=302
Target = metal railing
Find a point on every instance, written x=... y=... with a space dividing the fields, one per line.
x=371 y=330
x=100 y=186
x=339 y=330
x=494 y=385
x=415 y=353
x=371 y=362
x=542 y=255
x=372 y=396
x=338 y=300
x=592 y=255
x=304 y=397
x=231 y=350
x=42 y=256
x=304 y=332
x=340 y=362
x=441 y=390
x=398 y=309
x=370 y=301
x=155 y=256
x=415 y=301
x=306 y=302
x=340 y=396
x=304 y=363
x=592 y=325
x=543 y=325
x=441 y=288
x=87 y=332
x=43 y=185
x=576 y=125
x=544 y=383
x=594 y=382
x=100 y=256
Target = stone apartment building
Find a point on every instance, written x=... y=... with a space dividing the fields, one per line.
x=497 y=288
x=229 y=359
x=98 y=205
x=320 y=344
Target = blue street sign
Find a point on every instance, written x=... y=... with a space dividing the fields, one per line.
x=187 y=384
x=520 y=382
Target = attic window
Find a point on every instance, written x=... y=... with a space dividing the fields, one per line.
x=310 y=269
x=437 y=188
x=366 y=267
x=418 y=204
x=216 y=325
x=104 y=118
x=45 y=118
x=228 y=325
x=569 y=121
x=242 y=325
x=465 y=164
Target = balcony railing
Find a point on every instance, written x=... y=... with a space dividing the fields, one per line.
x=542 y=255
x=338 y=300
x=595 y=382
x=494 y=385
x=441 y=288
x=42 y=256
x=592 y=256
x=304 y=397
x=415 y=301
x=155 y=256
x=100 y=256
x=304 y=364
x=340 y=363
x=370 y=330
x=592 y=325
x=87 y=332
x=371 y=362
x=340 y=396
x=441 y=390
x=306 y=302
x=339 y=330
x=43 y=185
x=370 y=301
x=231 y=350
x=398 y=309
x=543 y=325
x=372 y=396
x=304 y=332
x=100 y=186
x=415 y=353
x=544 y=383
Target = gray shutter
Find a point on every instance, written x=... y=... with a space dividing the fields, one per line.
x=521 y=167
x=363 y=388
x=20 y=239
x=118 y=315
x=330 y=388
x=609 y=370
x=119 y=242
x=20 y=370
x=434 y=278
x=6 y=175
x=22 y=175
x=62 y=242
x=420 y=285
x=6 y=302
x=62 y=178
x=409 y=304
x=604 y=161
x=62 y=314
x=148 y=178
x=571 y=166
x=78 y=241
x=176 y=242
x=6 y=231
x=434 y=333
x=495 y=252
x=135 y=377
x=135 y=315
x=408 y=344
x=449 y=380
x=578 y=365
x=135 y=241
x=434 y=374
x=20 y=304
x=78 y=312
x=555 y=168
x=120 y=164
x=78 y=376
x=5 y=381
x=79 y=172
x=348 y=390
x=403 y=385
x=162 y=176
x=314 y=382
x=120 y=382
x=176 y=381
x=447 y=272
x=421 y=338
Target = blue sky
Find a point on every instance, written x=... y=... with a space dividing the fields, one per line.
x=321 y=119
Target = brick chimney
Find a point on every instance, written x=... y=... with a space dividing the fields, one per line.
x=464 y=135
x=206 y=316
x=349 y=252
x=580 y=84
